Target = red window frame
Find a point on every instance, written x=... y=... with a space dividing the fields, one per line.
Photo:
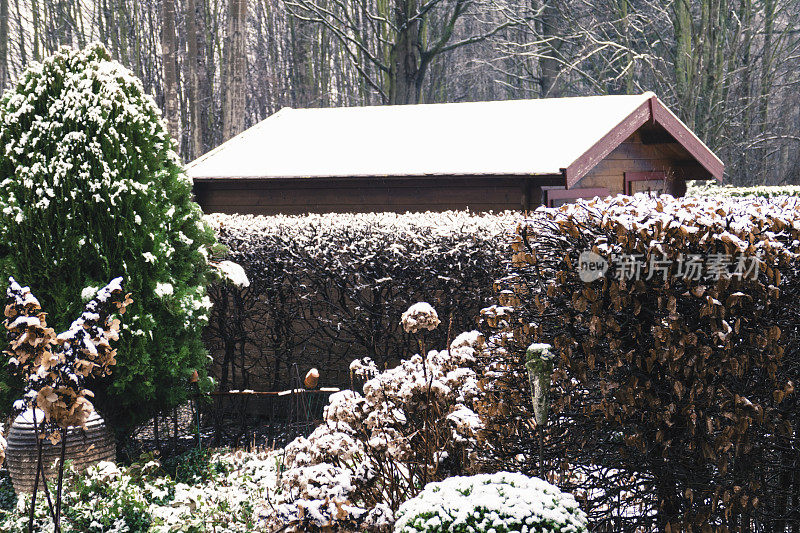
x=551 y=194
x=631 y=177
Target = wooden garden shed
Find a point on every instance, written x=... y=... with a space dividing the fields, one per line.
x=513 y=154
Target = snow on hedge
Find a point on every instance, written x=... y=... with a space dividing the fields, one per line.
x=765 y=191
x=328 y=288
x=499 y=503
x=357 y=234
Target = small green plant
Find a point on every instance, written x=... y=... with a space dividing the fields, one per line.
x=194 y=466
x=8 y=498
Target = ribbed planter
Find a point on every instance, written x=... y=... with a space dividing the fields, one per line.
x=84 y=448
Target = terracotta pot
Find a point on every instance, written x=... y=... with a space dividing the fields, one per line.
x=84 y=448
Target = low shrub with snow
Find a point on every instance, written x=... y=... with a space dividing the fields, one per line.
x=141 y=498
x=413 y=424
x=498 y=503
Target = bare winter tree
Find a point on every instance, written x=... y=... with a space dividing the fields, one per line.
x=195 y=148
x=3 y=43
x=392 y=44
x=729 y=68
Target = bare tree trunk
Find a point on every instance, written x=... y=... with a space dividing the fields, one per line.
x=301 y=32
x=404 y=67
x=684 y=66
x=548 y=59
x=233 y=111
x=3 y=43
x=766 y=84
x=168 y=57
x=23 y=57
x=195 y=124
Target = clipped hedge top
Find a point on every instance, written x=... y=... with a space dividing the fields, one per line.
x=353 y=234
x=766 y=191
x=743 y=225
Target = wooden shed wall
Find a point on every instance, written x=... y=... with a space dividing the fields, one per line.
x=296 y=196
x=633 y=155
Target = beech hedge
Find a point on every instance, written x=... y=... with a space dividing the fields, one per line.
x=674 y=404
x=327 y=289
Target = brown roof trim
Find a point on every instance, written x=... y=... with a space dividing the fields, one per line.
x=667 y=119
x=589 y=159
x=653 y=110
x=539 y=179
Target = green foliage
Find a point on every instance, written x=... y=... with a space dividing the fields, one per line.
x=91 y=189
x=194 y=466
x=140 y=498
x=121 y=503
x=8 y=498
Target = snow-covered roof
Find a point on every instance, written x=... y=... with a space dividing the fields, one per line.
x=512 y=137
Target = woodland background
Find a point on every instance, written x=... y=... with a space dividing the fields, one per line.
x=729 y=69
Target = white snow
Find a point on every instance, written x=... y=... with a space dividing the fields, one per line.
x=493 y=138
x=233 y=272
x=504 y=501
x=164 y=289
x=88 y=293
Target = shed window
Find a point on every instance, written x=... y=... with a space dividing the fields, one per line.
x=653 y=183
x=556 y=196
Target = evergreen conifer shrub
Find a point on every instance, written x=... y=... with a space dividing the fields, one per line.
x=91 y=189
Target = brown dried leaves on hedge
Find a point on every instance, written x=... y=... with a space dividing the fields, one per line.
x=687 y=384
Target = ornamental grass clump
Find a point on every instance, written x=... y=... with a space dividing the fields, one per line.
x=676 y=359
x=498 y=503
x=92 y=188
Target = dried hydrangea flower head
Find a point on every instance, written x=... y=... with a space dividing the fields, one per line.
x=419 y=316
x=56 y=367
x=364 y=368
x=312 y=379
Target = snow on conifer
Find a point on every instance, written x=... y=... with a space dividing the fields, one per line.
x=92 y=189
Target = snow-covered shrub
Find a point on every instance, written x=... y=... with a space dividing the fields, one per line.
x=92 y=189
x=140 y=498
x=499 y=503
x=765 y=191
x=419 y=316
x=413 y=424
x=326 y=289
x=673 y=393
